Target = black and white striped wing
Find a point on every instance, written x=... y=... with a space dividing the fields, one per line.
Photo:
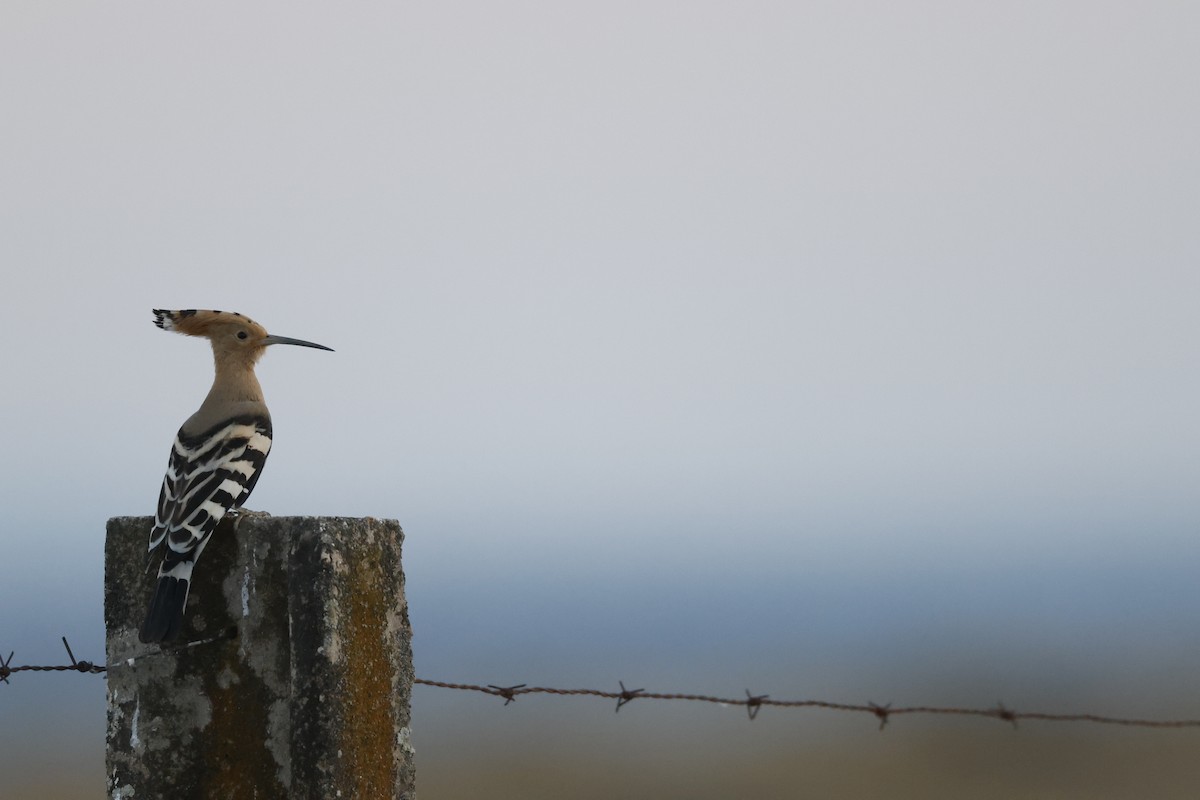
x=207 y=475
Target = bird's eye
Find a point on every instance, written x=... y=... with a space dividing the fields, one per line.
x=242 y=334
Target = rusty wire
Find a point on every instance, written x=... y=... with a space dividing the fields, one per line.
x=7 y=669
x=751 y=702
x=754 y=703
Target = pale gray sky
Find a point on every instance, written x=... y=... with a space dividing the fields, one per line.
x=816 y=288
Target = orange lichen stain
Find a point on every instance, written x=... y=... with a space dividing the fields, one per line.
x=369 y=711
x=240 y=764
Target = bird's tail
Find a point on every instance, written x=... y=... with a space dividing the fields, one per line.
x=164 y=619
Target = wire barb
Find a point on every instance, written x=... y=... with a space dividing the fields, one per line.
x=509 y=693
x=754 y=703
x=883 y=712
x=1005 y=714
x=80 y=666
x=626 y=695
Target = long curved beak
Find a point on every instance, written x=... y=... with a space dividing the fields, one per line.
x=290 y=340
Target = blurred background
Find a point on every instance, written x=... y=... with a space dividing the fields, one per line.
x=825 y=350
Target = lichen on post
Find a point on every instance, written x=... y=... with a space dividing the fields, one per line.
x=291 y=678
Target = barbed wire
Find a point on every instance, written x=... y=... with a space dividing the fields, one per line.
x=751 y=702
x=754 y=703
x=7 y=669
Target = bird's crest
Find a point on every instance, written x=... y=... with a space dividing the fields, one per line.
x=199 y=322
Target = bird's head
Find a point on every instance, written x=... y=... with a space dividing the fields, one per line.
x=234 y=336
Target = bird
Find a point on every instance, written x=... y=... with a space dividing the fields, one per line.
x=215 y=461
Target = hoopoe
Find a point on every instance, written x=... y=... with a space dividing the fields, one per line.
x=216 y=459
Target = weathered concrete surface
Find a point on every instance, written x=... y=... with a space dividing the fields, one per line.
x=310 y=698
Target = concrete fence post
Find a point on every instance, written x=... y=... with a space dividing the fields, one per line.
x=291 y=679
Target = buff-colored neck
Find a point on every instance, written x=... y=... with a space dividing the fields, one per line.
x=235 y=392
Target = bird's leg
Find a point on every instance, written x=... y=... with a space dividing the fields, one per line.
x=238 y=514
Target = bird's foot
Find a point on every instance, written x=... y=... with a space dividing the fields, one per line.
x=236 y=515
x=245 y=512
